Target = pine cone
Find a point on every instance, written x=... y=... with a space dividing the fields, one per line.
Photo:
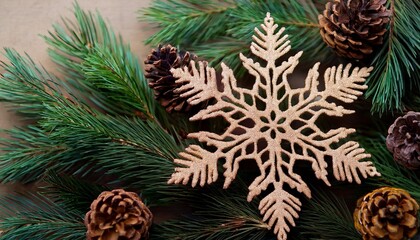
x=404 y=140
x=158 y=66
x=118 y=215
x=354 y=27
x=386 y=213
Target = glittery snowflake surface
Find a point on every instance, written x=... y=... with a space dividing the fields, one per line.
x=273 y=125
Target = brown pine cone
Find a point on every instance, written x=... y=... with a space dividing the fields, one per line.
x=386 y=213
x=354 y=27
x=161 y=80
x=118 y=215
x=403 y=140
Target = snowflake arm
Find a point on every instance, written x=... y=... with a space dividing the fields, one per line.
x=196 y=163
x=280 y=208
x=342 y=85
x=198 y=85
x=346 y=163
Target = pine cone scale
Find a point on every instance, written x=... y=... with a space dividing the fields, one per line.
x=378 y=232
x=408 y=221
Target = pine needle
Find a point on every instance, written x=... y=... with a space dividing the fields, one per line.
x=393 y=84
x=396 y=74
x=183 y=21
x=76 y=141
x=326 y=216
x=26 y=86
x=229 y=25
x=71 y=192
x=37 y=217
x=218 y=214
x=102 y=67
x=392 y=174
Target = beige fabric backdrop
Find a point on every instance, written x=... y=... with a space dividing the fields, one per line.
x=22 y=21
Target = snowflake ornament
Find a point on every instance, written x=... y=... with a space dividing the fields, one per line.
x=260 y=131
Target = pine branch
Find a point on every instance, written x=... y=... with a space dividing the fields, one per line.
x=71 y=192
x=99 y=64
x=300 y=20
x=326 y=216
x=26 y=156
x=72 y=41
x=228 y=35
x=183 y=21
x=144 y=135
x=112 y=151
x=396 y=73
x=120 y=80
x=37 y=217
x=25 y=85
x=391 y=173
x=71 y=139
x=218 y=214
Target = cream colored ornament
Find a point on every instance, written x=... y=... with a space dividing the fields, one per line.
x=275 y=139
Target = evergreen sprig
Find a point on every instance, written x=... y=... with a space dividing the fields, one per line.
x=326 y=216
x=393 y=84
x=116 y=152
x=396 y=74
x=71 y=192
x=229 y=26
x=392 y=174
x=188 y=18
x=102 y=67
x=26 y=86
x=134 y=150
x=217 y=214
x=26 y=156
x=34 y=216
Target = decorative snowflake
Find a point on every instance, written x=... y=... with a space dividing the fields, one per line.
x=259 y=130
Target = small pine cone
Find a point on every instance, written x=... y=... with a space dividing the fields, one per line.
x=354 y=27
x=386 y=213
x=403 y=140
x=161 y=80
x=118 y=214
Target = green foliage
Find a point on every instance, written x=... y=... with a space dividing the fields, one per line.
x=217 y=214
x=183 y=21
x=326 y=216
x=26 y=156
x=396 y=73
x=229 y=26
x=37 y=217
x=78 y=151
x=25 y=85
x=98 y=64
x=120 y=80
x=143 y=134
x=392 y=174
x=72 y=140
x=72 y=41
x=131 y=150
x=70 y=192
